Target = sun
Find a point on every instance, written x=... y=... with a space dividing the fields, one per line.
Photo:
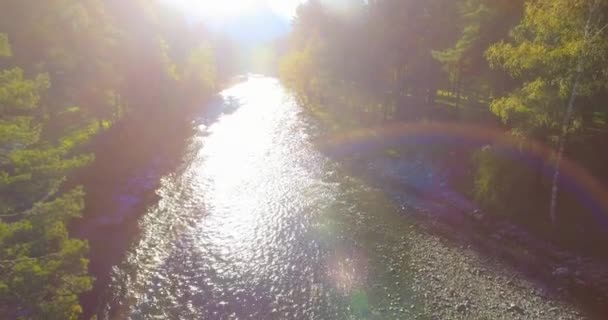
x=224 y=9
x=214 y=8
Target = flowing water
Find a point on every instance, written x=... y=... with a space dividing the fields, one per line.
x=258 y=224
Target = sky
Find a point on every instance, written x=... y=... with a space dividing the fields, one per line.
x=253 y=25
x=233 y=9
x=249 y=23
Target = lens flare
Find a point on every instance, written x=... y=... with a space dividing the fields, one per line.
x=233 y=8
x=591 y=188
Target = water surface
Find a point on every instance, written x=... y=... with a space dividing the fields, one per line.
x=258 y=224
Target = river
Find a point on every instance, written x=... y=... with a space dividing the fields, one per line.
x=258 y=223
x=255 y=224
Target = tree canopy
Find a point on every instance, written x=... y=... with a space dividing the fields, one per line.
x=532 y=69
x=70 y=70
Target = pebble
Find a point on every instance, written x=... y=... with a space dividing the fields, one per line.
x=461 y=307
x=515 y=308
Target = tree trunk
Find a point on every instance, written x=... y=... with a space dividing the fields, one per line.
x=539 y=175
x=458 y=85
x=566 y=124
x=457 y=93
x=562 y=146
x=431 y=95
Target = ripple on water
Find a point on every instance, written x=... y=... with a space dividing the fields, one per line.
x=236 y=232
x=257 y=224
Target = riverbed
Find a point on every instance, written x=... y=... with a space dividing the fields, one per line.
x=257 y=223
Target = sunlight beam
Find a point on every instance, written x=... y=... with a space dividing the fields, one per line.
x=227 y=9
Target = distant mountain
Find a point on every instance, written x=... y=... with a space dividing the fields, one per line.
x=252 y=28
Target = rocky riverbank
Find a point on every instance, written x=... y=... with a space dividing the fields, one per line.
x=458 y=282
x=470 y=265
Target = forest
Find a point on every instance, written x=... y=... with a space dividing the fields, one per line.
x=69 y=72
x=527 y=79
x=515 y=92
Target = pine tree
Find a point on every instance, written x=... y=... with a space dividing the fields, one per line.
x=42 y=270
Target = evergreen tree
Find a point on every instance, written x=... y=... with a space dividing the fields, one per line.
x=42 y=270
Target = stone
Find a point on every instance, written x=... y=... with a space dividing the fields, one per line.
x=515 y=308
x=461 y=307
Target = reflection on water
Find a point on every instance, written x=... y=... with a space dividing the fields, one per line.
x=250 y=227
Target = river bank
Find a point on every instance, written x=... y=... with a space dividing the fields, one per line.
x=461 y=242
x=251 y=220
x=130 y=160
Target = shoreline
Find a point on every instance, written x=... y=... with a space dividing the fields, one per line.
x=564 y=275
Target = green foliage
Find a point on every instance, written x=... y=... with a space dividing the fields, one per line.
x=482 y=22
x=5 y=49
x=559 y=52
x=535 y=69
x=18 y=94
x=495 y=176
x=371 y=62
x=298 y=73
x=105 y=60
x=530 y=107
x=558 y=46
x=200 y=70
x=458 y=58
x=42 y=270
x=41 y=264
